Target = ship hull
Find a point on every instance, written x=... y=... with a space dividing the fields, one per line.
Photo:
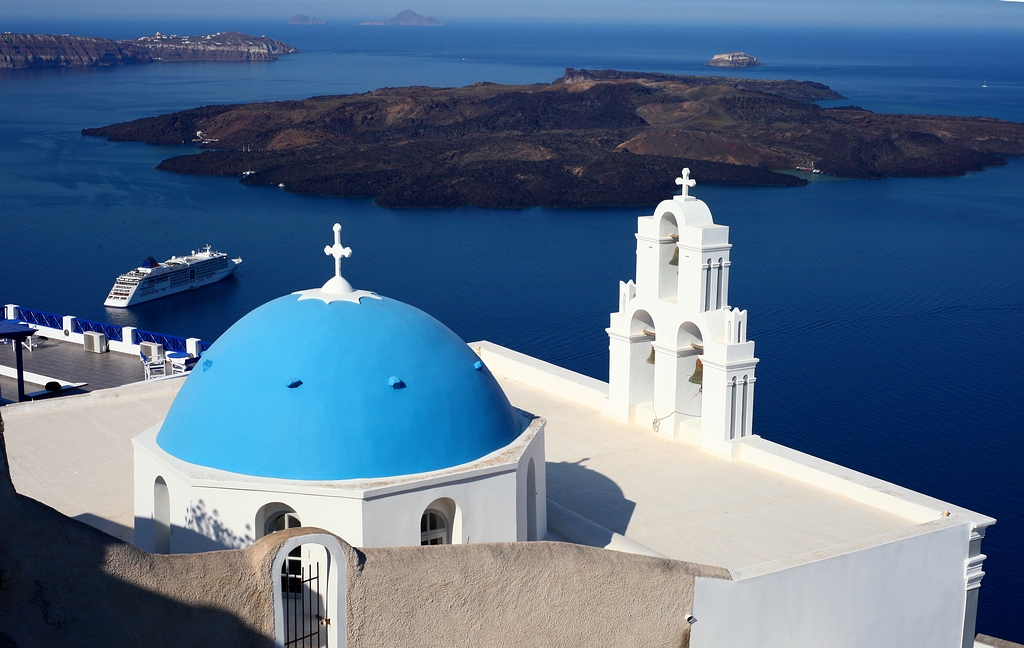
x=166 y=284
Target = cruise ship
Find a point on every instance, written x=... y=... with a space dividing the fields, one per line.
x=153 y=279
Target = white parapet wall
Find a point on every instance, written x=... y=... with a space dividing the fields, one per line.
x=905 y=589
x=67 y=334
x=542 y=375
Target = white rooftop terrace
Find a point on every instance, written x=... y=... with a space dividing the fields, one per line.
x=769 y=504
x=75 y=453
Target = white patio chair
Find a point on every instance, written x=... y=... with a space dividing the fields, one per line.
x=153 y=367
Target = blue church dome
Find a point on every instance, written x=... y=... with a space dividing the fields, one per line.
x=325 y=389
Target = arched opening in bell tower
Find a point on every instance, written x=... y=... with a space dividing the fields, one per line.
x=641 y=358
x=668 y=257
x=690 y=376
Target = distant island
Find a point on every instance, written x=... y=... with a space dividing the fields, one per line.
x=299 y=19
x=733 y=60
x=408 y=18
x=49 y=50
x=589 y=138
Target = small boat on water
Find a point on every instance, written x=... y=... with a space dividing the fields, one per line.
x=808 y=169
x=177 y=274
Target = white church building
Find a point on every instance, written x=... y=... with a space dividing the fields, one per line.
x=390 y=431
x=386 y=424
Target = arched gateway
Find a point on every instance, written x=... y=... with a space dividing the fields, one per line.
x=309 y=606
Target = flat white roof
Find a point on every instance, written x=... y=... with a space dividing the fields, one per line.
x=771 y=503
x=74 y=453
x=684 y=503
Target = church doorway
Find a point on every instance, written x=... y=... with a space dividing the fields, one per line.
x=301 y=584
x=304 y=589
x=309 y=593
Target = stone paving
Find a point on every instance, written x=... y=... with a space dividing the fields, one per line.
x=68 y=362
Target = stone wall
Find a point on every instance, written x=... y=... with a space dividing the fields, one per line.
x=519 y=594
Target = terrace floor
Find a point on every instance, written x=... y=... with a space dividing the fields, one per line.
x=68 y=362
x=683 y=503
x=74 y=453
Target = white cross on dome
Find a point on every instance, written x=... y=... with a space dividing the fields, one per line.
x=337 y=251
x=336 y=288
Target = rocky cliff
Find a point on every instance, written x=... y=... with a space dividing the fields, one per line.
x=49 y=50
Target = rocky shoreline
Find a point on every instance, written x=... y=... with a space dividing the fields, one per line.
x=19 y=51
x=604 y=138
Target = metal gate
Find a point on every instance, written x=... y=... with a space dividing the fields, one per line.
x=305 y=613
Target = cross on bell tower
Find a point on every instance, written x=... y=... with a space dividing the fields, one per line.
x=686 y=182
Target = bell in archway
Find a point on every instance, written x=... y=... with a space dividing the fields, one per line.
x=650 y=358
x=675 y=257
x=698 y=373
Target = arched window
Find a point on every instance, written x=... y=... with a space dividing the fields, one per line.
x=282 y=520
x=732 y=408
x=161 y=517
x=718 y=289
x=434 y=528
x=291 y=570
x=531 y=501
x=743 y=418
x=707 y=286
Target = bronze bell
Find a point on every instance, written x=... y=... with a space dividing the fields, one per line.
x=698 y=374
x=675 y=257
x=650 y=359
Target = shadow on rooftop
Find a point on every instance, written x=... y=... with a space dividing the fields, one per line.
x=64 y=583
x=590 y=494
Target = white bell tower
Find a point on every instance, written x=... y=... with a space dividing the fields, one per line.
x=680 y=361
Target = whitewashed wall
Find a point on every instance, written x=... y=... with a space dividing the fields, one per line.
x=908 y=592
x=212 y=509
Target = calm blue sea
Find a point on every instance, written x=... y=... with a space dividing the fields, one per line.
x=888 y=314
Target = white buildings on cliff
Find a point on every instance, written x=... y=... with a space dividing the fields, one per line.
x=387 y=430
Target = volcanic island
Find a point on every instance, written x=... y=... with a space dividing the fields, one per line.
x=590 y=138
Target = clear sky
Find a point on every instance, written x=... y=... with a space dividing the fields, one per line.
x=983 y=14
